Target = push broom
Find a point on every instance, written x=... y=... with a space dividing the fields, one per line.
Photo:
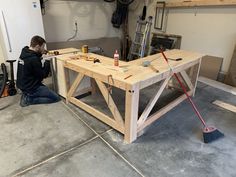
x=210 y=133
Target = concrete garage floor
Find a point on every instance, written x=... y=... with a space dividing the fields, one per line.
x=63 y=141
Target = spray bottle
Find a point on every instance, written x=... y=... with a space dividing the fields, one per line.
x=116 y=58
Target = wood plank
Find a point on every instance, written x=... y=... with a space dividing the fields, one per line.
x=110 y=102
x=97 y=114
x=194 y=73
x=187 y=80
x=75 y=85
x=196 y=76
x=224 y=105
x=218 y=85
x=175 y=53
x=66 y=82
x=131 y=114
x=61 y=52
x=163 y=111
x=98 y=76
x=147 y=82
x=199 y=3
x=143 y=75
x=65 y=51
x=93 y=85
x=83 y=91
x=62 y=79
x=152 y=102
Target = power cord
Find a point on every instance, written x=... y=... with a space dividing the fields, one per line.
x=76 y=31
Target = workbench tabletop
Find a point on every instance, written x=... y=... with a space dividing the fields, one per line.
x=133 y=72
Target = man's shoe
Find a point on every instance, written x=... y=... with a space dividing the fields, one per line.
x=23 y=101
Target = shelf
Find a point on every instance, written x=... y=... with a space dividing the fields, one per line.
x=199 y=3
x=166 y=35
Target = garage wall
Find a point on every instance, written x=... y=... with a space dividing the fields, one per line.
x=211 y=31
x=1 y=48
x=93 y=18
x=1 y=55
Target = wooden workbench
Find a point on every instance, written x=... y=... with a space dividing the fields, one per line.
x=57 y=70
x=106 y=76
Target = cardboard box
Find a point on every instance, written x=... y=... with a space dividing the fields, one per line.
x=231 y=76
x=210 y=67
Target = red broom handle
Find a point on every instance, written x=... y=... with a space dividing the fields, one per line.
x=186 y=93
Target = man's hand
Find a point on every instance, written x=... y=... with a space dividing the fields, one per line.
x=44 y=52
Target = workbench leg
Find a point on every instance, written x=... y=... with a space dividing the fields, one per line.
x=194 y=72
x=53 y=73
x=67 y=81
x=131 y=114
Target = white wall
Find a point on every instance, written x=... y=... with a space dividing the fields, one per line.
x=93 y=18
x=2 y=60
x=1 y=55
x=212 y=31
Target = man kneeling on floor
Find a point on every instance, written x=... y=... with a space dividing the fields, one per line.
x=30 y=74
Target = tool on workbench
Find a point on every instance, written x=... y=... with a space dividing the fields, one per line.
x=210 y=133
x=96 y=60
x=139 y=44
x=175 y=59
x=85 y=48
x=128 y=76
x=148 y=64
x=153 y=68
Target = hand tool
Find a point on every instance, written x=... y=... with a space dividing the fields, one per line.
x=175 y=59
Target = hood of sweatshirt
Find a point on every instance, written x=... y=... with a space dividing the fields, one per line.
x=26 y=53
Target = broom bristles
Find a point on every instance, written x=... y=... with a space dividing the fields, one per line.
x=211 y=134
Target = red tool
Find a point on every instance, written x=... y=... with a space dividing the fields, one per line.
x=210 y=133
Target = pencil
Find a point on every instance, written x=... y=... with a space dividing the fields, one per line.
x=128 y=77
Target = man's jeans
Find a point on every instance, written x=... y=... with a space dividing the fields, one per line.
x=42 y=95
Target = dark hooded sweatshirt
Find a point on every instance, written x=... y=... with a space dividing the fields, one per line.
x=30 y=72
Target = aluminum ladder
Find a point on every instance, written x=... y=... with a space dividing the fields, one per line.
x=142 y=34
